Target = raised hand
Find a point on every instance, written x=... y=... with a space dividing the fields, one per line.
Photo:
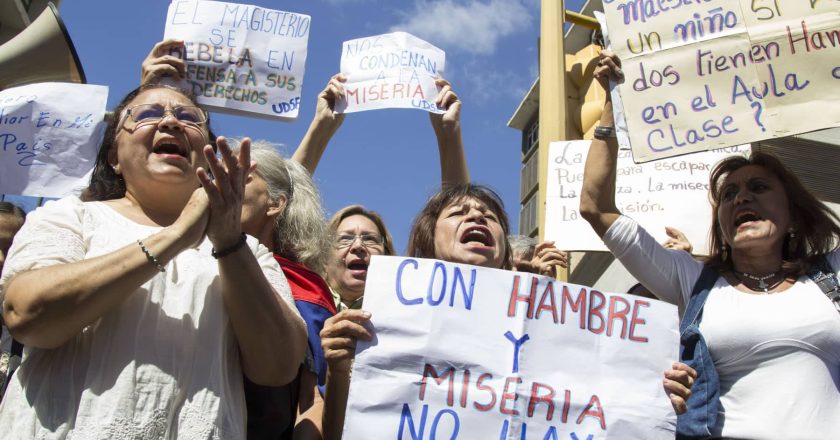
x=608 y=68
x=226 y=190
x=547 y=257
x=449 y=101
x=325 y=106
x=159 y=63
x=677 y=241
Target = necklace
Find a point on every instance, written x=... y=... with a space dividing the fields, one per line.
x=762 y=285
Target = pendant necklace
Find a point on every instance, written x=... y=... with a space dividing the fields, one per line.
x=762 y=281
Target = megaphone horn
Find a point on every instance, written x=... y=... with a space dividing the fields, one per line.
x=41 y=52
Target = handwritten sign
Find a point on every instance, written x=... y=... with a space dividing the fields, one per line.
x=669 y=192
x=241 y=58
x=396 y=70
x=464 y=352
x=708 y=74
x=49 y=134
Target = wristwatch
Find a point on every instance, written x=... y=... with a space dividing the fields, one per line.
x=604 y=133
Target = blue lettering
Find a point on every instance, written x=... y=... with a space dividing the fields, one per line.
x=468 y=297
x=517 y=343
x=432 y=301
x=403 y=299
x=406 y=414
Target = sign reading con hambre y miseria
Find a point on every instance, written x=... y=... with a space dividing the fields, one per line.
x=49 y=134
x=669 y=192
x=396 y=70
x=241 y=58
x=707 y=74
x=464 y=352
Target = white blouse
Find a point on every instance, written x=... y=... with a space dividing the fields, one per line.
x=163 y=364
x=777 y=356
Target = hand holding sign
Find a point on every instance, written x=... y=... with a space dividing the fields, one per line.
x=325 y=109
x=159 y=63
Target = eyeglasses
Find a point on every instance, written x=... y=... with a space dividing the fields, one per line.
x=153 y=113
x=368 y=240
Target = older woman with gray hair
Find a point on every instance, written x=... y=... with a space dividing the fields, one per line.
x=282 y=208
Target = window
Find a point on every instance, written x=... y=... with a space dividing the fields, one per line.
x=532 y=137
x=528 y=215
x=529 y=176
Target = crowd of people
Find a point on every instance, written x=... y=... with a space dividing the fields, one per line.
x=196 y=288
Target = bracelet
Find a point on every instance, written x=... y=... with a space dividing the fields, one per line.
x=224 y=252
x=152 y=259
x=602 y=132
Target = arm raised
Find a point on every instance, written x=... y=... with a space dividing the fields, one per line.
x=597 y=198
x=447 y=127
x=323 y=126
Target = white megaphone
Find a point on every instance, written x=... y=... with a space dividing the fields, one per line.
x=41 y=52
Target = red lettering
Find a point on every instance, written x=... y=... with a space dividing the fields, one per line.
x=578 y=306
x=528 y=299
x=399 y=89
x=490 y=390
x=429 y=371
x=567 y=402
x=506 y=396
x=593 y=409
x=535 y=398
x=418 y=91
x=465 y=387
x=549 y=288
x=353 y=93
x=615 y=313
x=637 y=320
x=595 y=311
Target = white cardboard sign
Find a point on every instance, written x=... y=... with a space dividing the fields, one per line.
x=396 y=70
x=464 y=352
x=241 y=59
x=702 y=75
x=668 y=192
x=49 y=136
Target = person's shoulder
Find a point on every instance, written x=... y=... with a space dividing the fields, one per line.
x=833 y=259
x=64 y=208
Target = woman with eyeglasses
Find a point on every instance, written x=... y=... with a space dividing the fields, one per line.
x=142 y=303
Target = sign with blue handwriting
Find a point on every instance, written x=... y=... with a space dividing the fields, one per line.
x=241 y=59
x=465 y=352
x=707 y=74
x=669 y=192
x=396 y=70
x=49 y=136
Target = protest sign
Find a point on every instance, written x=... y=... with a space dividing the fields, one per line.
x=241 y=58
x=465 y=352
x=396 y=70
x=50 y=134
x=668 y=192
x=708 y=74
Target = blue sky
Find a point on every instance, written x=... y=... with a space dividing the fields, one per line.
x=385 y=159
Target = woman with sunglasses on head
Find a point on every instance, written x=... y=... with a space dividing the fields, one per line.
x=763 y=335
x=142 y=304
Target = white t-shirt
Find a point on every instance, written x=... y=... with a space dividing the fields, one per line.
x=163 y=364
x=777 y=355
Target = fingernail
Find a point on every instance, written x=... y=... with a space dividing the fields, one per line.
x=366 y=314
